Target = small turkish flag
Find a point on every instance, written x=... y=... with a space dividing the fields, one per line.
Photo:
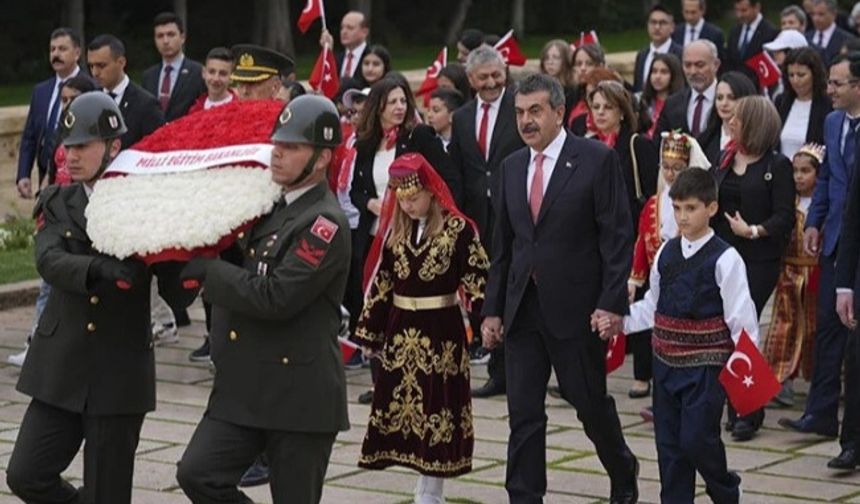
x=510 y=50
x=748 y=380
x=586 y=38
x=324 y=75
x=313 y=10
x=347 y=348
x=431 y=78
x=615 y=350
x=765 y=68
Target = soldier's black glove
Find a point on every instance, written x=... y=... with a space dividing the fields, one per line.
x=194 y=273
x=124 y=274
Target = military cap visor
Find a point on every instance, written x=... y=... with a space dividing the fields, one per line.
x=256 y=64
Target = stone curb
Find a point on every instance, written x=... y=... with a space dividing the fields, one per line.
x=14 y=295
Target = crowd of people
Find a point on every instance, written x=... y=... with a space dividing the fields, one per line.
x=517 y=223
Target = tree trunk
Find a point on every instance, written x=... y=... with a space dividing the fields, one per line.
x=364 y=6
x=76 y=19
x=259 y=21
x=457 y=22
x=518 y=17
x=278 y=30
x=180 y=8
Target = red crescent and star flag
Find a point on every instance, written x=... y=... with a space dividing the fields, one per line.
x=509 y=48
x=748 y=380
x=324 y=75
x=765 y=68
x=616 y=347
x=431 y=78
x=313 y=10
x=586 y=38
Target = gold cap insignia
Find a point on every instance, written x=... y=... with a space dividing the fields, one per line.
x=246 y=60
x=286 y=115
x=69 y=121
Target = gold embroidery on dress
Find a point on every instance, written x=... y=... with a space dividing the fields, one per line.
x=401 y=261
x=466 y=421
x=473 y=285
x=410 y=352
x=438 y=258
x=412 y=460
x=478 y=256
x=382 y=282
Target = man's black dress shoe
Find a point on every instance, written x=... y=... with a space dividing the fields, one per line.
x=809 y=425
x=257 y=474
x=848 y=460
x=628 y=494
x=489 y=389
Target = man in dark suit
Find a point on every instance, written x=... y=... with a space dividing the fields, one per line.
x=143 y=115
x=354 y=32
x=825 y=35
x=44 y=113
x=562 y=250
x=661 y=23
x=90 y=369
x=695 y=27
x=688 y=110
x=747 y=37
x=178 y=80
x=483 y=133
x=822 y=237
x=279 y=381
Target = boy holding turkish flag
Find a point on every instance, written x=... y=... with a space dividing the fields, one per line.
x=699 y=306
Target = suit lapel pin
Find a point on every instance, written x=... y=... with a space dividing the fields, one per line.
x=768 y=176
x=568 y=164
x=184 y=71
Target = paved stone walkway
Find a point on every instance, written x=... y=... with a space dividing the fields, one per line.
x=777 y=467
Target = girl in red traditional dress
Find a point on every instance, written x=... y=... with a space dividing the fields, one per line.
x=425 y=261
x=788 y=347
x=678 y=151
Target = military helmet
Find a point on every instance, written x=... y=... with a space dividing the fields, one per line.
x=91 y=116
x=309 y=119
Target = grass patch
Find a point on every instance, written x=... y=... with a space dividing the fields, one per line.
x=17 y=265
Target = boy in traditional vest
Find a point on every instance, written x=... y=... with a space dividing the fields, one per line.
x=698 y=305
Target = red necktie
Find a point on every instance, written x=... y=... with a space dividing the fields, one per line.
x=697 y=116
x=164 y=93
x=482 y=132
x=347 y=70
x=536 y=190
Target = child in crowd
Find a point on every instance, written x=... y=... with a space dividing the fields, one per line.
x=443 y=103
x=698 y=305
x=216 y=75
x=788 y=347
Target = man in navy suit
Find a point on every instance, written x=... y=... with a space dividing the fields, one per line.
x=562 y=249
x=65 y=51
x=747 y=37
x=695 y=27
x=825 y=35
x=178 y=80
x=354 y=32
x=823 y=228
x=141 y=111
x=661 y=24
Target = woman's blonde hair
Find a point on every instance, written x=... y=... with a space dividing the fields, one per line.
x=401 y=223
x=760 y=125
x=565 y=76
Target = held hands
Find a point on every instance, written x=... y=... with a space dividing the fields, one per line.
x=845 y=309
x=606 y=324
x=491 y=332
x=811 y=241
x=739 y=225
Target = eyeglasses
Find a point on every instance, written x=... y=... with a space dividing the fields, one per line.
x=840 y=83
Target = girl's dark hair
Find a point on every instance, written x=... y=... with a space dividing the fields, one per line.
x=456 y=73
x=82 y=83
x=676 y=83
x=383 y=54
x=370 y=132
x=809 y=58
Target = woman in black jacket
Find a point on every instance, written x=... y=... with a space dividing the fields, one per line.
x=731 y=87
x=756 y=208
x=804 y=104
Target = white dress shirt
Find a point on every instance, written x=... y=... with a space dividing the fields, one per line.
x=731 y=276
x=551 y=155
x=356 y=58
x=822 y=37
x=793 y=134
x=491 y=122
x=208 y=104
x=707 y=106
x=119 y=90
x=55 y=94
x=750 y=31
x=661 y=49
x=697 y=31
x=381 y=162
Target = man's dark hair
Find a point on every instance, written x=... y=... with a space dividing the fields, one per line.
x=220 y=53
x=167 y=18
x=853 y=59
x=694 y=183
x=67 y=32
x=452 y=98
x=662 y=9
x=117 y=48
x=82 y=83
x=471 y=38
x=536 y=83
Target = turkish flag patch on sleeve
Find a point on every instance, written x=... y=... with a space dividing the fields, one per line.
x=324 y=229
x=310 y=254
